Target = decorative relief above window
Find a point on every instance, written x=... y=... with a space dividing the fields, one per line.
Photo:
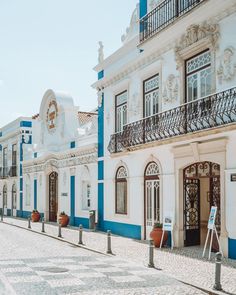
x=227 y=68
x=171 y=89
x=195 y=33
x=152 y=169
x=122 y=173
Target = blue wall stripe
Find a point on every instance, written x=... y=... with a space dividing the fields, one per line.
x=81 y=220
x=100 y=74
x=72 y=200
x=100 y=170
x=123 y=229
x=101 y=129
x=232 y=248
x=25 y=124
x=100 y=205
x=72 y=144
x=35 y=193
x=142 y=8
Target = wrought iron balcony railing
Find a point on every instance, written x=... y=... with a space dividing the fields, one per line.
x=8 y=172
x=163 y=15
x=205 y=113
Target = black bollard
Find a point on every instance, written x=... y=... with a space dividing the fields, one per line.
x=59 y=230
x=29 y=222
x=109 y=242
x=151 y=254
x=43 y=228
x=80 y=234
x=218 y=260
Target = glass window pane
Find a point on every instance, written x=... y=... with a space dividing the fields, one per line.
x=121 y=191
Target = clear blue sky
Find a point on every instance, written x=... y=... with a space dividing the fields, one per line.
x=53 y=44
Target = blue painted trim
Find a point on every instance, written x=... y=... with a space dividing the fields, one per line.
x=21 y=202
x=100 y=74
x=25 y=124
x=0 y=147
x=232 y=248
x=100 y=170
x=21 y=170
x=101 y=129
x=142 y=8
x=21 y=184
x=81 y=220
x=1 y=134
x=123 y=229
x=8 y=212
x=35 y=193
x=72 y=200
x=72 y=144
x=25 y=214
x=21 y=152
x=100 y=205
x=35 y=155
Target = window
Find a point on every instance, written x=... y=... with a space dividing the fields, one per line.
x=5 y=196
x=5 y=162
x=121 y=191
x=121 y=111
x=86 y=195
x=151 y=96
x=13 y=168
x=27 y=191
x=198 y=76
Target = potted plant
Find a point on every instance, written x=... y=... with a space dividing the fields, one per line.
x=156 y=234
x=35 y=216
x=63 y=219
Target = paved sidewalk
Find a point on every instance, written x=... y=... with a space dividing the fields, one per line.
x=185 y=264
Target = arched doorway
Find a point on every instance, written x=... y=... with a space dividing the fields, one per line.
x=53 y=196
x=151 y=197
x=201 y=191
x=13 y=200
x=5 y=199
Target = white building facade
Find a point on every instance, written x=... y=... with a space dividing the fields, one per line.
x=58 y=171
x=167 y=113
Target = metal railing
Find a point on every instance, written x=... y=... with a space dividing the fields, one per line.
x=163 y=15
x=212 y=111
x=6 y=172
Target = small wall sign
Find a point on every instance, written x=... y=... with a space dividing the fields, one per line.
x=64 y=194
x=233 y=177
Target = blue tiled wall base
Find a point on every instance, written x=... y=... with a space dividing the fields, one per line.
x=81 y=220
x=8 y=212
x=123 y=229
x=232 y=248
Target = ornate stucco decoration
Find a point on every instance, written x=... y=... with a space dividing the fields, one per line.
x=133 y=28
x=208 y=32
x=227 y=68
x=171 y=89
x=100 y=52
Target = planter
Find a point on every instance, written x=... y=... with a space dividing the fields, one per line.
x=35 y=216
x=156 y=235
x=63 y=220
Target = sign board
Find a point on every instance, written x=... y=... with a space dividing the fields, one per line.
x=64 y=194
x=168 y=223
x=212 y=218
x=233 y=177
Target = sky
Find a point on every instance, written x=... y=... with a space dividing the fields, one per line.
x=53 y=44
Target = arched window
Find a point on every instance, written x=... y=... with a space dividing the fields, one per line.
x=121 y=190
x=152 y=196
x=86 y=189
x=5 y=196
x=14 y=199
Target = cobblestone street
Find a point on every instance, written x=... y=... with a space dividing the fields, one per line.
x=36 y=264
x=184 y=264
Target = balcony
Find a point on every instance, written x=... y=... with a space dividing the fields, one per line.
x=6 y=172
x=209 y=112
x=164 y=15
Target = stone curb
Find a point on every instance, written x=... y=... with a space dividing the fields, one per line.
x=59 y=239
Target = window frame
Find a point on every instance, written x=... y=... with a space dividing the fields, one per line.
x=195 y=71
x=121 y=180
x=117 y=106
x=145 y=93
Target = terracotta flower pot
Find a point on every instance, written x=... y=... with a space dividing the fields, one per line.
x=156 y=235
x=64 y=220
x=35 y=216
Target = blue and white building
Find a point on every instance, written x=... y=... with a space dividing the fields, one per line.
x=14 y=138
x=167 y=122
x=55 y=159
